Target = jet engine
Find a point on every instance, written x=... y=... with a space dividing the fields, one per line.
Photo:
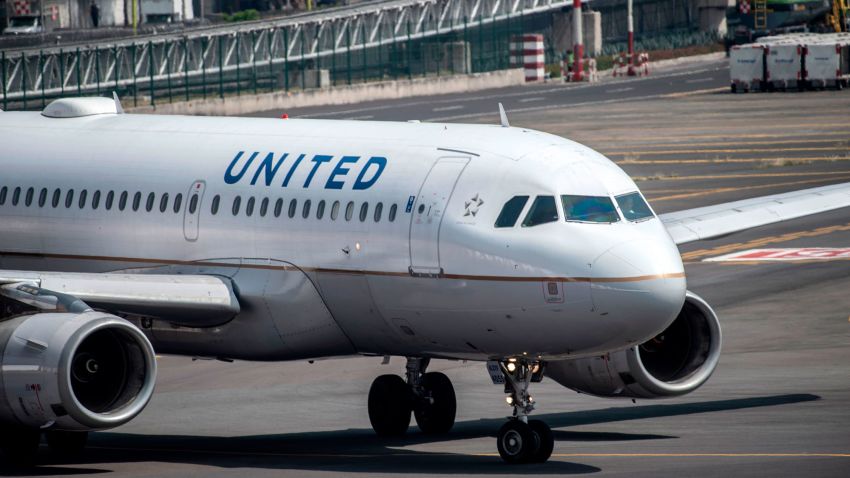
x=73 y=371
x=675 y=362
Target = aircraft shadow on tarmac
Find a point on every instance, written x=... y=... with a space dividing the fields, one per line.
x=359 y=450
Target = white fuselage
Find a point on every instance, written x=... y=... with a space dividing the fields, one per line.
x=438 y=280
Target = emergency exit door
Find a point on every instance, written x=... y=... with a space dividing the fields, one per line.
x=192 y=210
x=427 y=215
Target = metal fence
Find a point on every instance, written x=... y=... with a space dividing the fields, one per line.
x=385 y=40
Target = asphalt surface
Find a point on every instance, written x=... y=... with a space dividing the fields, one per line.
x=776 y=405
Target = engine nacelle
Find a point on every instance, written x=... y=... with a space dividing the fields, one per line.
x=68 y=371
x=675 y=362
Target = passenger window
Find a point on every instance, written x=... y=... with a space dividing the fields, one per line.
x=83 y=194
x=293 y=205
x=57 y=195
x=215 y=204
x=278 y=207
x=193 y=203
x=364 y=211
x=378 y=209
x=349 y=210
x=393 y=210
x=237 y=202
x=3 y=193
x=178 y=202
x=137 y=200
x=16 y=196
x=249 y=206
x=264 y=207
x=30 y=194
x=320 y=209
x=69 y=198
x=122 y=201
x=95 y=199
x=511 y=211
x=335 y=211
x=42 y=197
x=150 y=202
x=542 y=210
x=163 y=203
x=110 y=196
x=306 y=212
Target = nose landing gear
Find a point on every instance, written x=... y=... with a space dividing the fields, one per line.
x=430 y=396
x=521 y=440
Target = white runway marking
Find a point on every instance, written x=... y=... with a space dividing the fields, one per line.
x=619 y=90
x=785 y=254
x=536 y=98
x=700 y=80
x=366 y=117
x=448 y=108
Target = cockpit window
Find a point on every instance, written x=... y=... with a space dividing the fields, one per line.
x=542 y=210
x=634 y=207
x=589 y=209
x=511 y=210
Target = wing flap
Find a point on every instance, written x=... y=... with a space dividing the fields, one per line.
x=714 y=221
x=191 y=300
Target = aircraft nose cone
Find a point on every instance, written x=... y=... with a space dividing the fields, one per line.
x=640 y=286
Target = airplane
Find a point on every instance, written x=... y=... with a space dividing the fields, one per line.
x=123 y=236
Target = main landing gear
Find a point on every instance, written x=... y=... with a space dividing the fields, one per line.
x=429 y=396
x=521 y=440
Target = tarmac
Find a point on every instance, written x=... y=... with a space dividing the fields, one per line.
x=777 y=405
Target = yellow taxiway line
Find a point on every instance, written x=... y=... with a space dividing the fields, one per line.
x=746 y=143
x=710 y=192
x=742 y=176
x=652 y=139
x=844 y=148
x=391 y=454
x=767 y=161
x=757 y=243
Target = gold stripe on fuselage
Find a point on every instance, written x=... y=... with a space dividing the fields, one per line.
x=288 y=267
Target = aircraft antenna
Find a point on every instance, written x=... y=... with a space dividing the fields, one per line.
x=118 y=107
x=503 y=117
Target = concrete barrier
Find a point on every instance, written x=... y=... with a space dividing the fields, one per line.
x=340 y=95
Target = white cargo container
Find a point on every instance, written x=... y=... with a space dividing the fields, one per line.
x=828 y=63
x=166 y=11
x=746 y=67
x=785 y=65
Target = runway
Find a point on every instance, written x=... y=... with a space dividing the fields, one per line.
x=776 y=406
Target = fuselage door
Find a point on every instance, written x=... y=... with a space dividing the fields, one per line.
x=428 y=214
x=192 y=210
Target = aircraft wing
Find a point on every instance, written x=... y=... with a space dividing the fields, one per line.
x=712 y=221
x=191 y=300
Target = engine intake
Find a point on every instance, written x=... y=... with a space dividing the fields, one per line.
x=675 y=362
x=82 y=371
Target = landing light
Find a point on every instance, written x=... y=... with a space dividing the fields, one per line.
x=511 y=367
x=510 y=400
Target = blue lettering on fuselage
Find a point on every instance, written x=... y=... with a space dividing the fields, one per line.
x=345 y=172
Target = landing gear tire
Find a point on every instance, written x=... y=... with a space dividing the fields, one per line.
x=517 y=443
x=19 y=445
x=435 y=412
x=545 y=441
x=66 y=444
x=390 y=404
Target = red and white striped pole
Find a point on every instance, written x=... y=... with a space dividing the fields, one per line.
x=578 y=49
x=631 y=71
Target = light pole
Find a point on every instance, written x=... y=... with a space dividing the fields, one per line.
x=631 y=70
x=578 y=47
